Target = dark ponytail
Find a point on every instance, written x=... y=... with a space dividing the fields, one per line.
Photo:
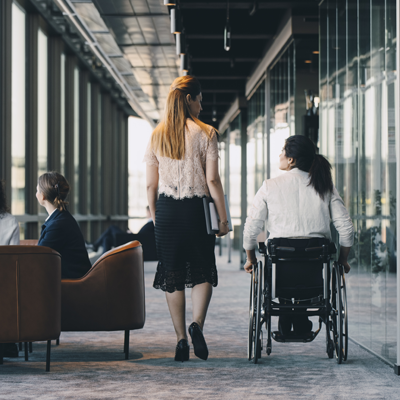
x=302 y=150
x=55 y=189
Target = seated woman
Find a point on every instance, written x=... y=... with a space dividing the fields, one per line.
x=9 y=235
x=60 y=231
x=299 y=204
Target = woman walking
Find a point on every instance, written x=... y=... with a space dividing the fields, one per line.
x=182 y=168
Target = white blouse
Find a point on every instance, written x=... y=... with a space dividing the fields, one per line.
x=290 y=207
x=9 y=230
x=186 y=178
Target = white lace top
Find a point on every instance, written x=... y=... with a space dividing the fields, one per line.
x=186 y=178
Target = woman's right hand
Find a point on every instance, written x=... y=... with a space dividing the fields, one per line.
x=223 y=229
x=345 y=264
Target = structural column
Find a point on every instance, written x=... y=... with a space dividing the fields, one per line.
x=123 y=177
x=69 y=126
x=95 y=171
x=267 y=126
x=106 y=154
x=5 y=95
x=243 y=185
x=54 y=114
x=31 y=150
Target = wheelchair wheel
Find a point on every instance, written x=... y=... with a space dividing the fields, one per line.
x=258 y=322
x=337 y=313
x=345 y=324
x=252 y=326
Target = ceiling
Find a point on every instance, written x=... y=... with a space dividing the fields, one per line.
x=135 y=35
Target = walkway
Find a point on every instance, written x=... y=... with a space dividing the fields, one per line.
x=92 y=365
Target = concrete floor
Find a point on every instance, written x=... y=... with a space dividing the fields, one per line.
x=92 y=365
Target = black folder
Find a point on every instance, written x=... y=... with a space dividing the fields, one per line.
x=212 y=215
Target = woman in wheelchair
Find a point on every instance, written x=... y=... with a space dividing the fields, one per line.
x=298 y=204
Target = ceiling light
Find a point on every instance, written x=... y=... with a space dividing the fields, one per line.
x=315 y=52
x=169 y=2
x=184 y=63
x=308 y=61
x=214 y=109
x=180 y=41
x=227 y=31
x=253 y=8
x=214 y=114
x=176 y=23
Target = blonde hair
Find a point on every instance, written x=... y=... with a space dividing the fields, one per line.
x=168 y=139
x=55 y=189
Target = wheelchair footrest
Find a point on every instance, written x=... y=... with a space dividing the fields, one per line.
x=292 y=337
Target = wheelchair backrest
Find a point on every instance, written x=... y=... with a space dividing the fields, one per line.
x=299 y=266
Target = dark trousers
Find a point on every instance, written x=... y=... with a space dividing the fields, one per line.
x=106 y=240
x=301 y=324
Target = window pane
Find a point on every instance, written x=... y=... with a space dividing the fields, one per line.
x=75 y=189
x=42 y=103
x=18 y=110
x=89 y=144
x=62 y=116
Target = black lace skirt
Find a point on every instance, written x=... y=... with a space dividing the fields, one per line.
x=185 y=250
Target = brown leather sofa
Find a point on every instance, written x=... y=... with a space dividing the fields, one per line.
x=110 y=297
x=30 y=296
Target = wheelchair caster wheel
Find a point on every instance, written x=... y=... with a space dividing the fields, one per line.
x=268 y=351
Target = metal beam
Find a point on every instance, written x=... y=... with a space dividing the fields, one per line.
x=220 y=78
x=247 y=5
x=220 y=90
x=147 y=45
x=224 y=59
x=203 y=36
x=128 y=15
x=217 y=103
x=295 y=25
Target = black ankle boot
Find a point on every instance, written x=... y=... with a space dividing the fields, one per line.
x=182 y=351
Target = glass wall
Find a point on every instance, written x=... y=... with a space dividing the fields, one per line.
x=357 y=134
x=234 y=169
x=56 y=140
x=256 y=143
x=18 y=100
x=282 y=82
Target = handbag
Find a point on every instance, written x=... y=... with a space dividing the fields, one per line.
x=212 y=217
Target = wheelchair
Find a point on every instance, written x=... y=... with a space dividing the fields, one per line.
x=298 y=279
